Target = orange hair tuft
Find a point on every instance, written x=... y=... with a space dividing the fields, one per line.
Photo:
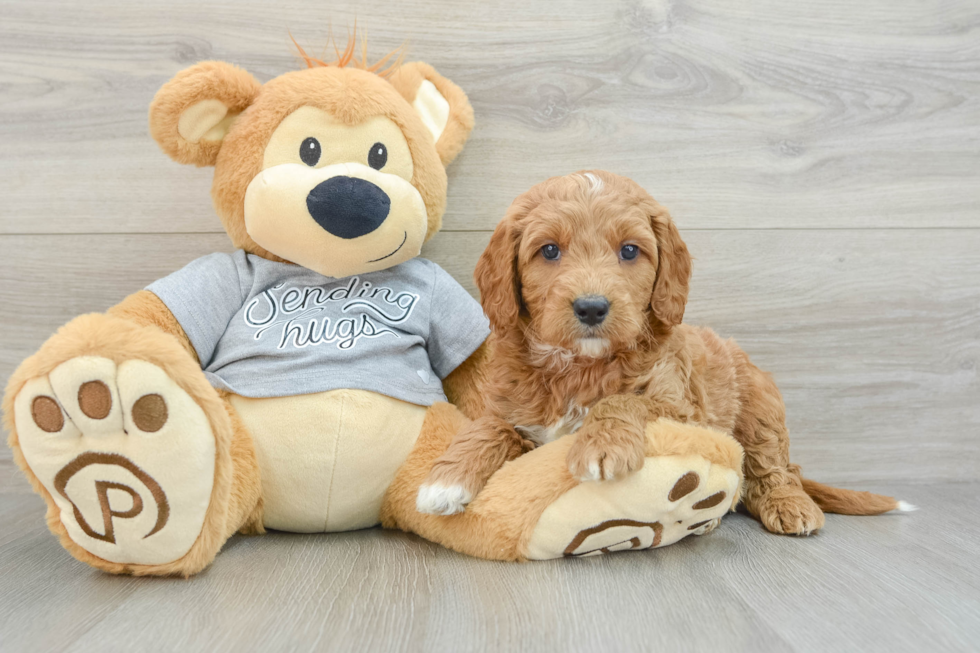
x=349 y=57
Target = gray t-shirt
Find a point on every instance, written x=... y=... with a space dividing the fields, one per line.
x=265 y=329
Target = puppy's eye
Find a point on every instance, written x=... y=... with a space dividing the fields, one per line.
x=378 y=156
x=551 y=252
x=309 y=151
x=629 y=252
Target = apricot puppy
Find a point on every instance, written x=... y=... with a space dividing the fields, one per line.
x=585 y=281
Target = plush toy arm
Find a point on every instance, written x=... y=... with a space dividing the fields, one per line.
x=464 y=387
x=143 y=308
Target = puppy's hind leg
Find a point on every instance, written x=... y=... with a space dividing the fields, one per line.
x=774 y=491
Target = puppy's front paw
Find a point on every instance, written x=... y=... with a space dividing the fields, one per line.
x=605 y=452
x=438 y=499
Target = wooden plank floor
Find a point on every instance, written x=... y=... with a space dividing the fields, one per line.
x=904 y=582
x=822 y=161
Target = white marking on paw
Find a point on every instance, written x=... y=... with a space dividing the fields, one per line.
x=594 y=473
x=437 y=499
x=905 y=506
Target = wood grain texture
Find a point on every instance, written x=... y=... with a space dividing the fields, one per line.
x=774 y=114
x=737 y=589
x=822 y=161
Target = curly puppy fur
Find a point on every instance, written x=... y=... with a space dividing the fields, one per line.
x=552 y=373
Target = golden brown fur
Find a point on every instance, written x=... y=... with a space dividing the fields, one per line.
x=551 y=372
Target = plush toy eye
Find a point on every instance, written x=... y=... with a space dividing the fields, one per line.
x=309 y=151
x=551 y=252
x=378 y=156
x=629 y=252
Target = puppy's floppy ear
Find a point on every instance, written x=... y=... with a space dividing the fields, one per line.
x=673 y=268
x=443 y=107
x=497 y=278
x=191 y=114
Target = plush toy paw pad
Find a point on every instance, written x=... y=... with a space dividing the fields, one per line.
x=667 y=500
x=126 y=455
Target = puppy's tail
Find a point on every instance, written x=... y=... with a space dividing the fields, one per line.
x=852 y=502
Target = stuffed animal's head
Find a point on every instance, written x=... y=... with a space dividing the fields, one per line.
x=338 y=169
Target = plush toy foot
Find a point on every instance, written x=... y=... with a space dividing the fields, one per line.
x=126 y=455
x=119 y=431
x=533 y=508
x=670 y=498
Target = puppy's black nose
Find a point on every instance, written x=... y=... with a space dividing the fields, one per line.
x=591 y=309
x=348 y=207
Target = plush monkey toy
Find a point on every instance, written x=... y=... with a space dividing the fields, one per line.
x=300 y=383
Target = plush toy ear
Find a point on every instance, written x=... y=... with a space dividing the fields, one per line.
x=191 y=113
x=444 y=108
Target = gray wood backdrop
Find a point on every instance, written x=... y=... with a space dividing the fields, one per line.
x=820 y=158
x=822 y=161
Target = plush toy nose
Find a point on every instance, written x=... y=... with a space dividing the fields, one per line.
x=591 y=309
x=348 y=207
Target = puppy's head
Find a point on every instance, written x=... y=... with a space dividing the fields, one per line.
x=585 y=263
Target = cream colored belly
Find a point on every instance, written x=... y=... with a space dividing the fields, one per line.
x=327 y=459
